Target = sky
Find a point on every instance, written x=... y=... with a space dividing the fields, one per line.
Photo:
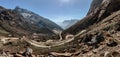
x=55 y=10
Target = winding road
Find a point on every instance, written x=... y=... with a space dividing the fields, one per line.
x=50 y=44
x=47 y=44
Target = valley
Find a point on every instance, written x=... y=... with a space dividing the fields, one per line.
x=24 y=33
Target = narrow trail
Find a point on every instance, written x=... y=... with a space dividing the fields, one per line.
x=51 y=43
x=61 y=54
x=7 y=39
x=47 y=44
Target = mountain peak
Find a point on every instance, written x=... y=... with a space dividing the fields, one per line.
x=17 y=7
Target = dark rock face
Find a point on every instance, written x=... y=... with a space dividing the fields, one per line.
x=93 y=39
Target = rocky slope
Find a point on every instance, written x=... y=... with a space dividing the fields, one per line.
x=98 y=33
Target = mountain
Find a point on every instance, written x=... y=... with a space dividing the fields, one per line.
x=14 y=23
x=37 y=19
x=67 y=23
x=98 y=12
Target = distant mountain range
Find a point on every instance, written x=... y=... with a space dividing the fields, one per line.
x=67 y=23
x=20 y=21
